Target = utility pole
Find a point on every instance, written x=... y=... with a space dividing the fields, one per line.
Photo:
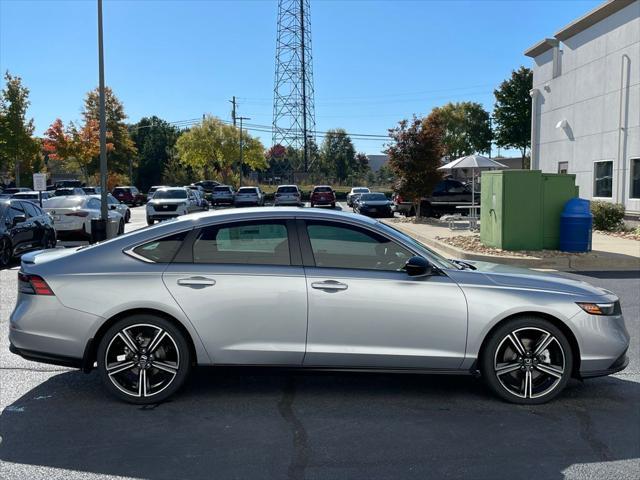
x=104 y=213
x=233 y=110
x=240 y=167
x=304 y=88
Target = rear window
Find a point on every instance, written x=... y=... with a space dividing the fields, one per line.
x=63 y=202
x=322 y=190
x=287 y=189
x=120 y=190
x=360 y=190
x=248 y=190
x=169 y=194
x=26 y=196
x=162 y=250
x=222 y=189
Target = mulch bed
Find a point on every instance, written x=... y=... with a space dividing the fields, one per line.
x=471 y=243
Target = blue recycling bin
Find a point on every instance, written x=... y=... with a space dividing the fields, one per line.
x=576 y=224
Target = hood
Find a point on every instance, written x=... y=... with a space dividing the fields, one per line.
x=42 y=256
x=517 y=277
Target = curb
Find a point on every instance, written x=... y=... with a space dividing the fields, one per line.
x=594 y=260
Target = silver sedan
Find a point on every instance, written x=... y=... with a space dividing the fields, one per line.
x=309 y=289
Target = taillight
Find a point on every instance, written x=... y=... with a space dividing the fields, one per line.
x=33 y=285
x=79 y=213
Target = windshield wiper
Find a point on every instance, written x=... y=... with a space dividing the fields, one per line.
x=462 y=264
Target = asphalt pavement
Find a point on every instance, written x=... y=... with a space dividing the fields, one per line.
x=251 y=423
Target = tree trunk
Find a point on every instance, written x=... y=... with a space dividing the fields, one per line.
x=524 y=156
x=17 y=172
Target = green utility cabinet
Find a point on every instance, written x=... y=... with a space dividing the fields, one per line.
x=520 y=209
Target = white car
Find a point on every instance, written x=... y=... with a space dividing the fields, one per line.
x=170 y=203
x=356 y=191
x=288 y=195
x=120 y=207
x=72 y=215
x=33 y=197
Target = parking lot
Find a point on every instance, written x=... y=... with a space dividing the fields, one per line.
x=252 y=423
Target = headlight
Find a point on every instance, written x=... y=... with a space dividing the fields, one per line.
x=612 y=308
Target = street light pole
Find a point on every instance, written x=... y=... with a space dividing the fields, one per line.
x=103 y=127
x=240 y=168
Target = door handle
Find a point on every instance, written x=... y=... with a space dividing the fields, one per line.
x=196 y=282
x=329 y=285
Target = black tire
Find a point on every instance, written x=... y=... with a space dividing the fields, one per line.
x=312 y=205
x=333 y=205
x=127 y=216
x=120 y=228
x=49 y=239
x=150 y=221
x=142 y=329
x=6 y=252
x=500 y=353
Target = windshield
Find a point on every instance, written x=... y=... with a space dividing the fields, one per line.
x=373 y=197
x=63 y=202
x=169 y=194
x=28 y=196
x=360 y=190
x=435 y=258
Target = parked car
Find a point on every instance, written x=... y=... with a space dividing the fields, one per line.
x=249 y=197
x=323 y=195
x=121 y=208
x=129 y=195
x=68 y=184
x=222 y=195
x=92 y=190
x=171 y=202
x=208 y=185
x=153 y=189
x=33 y=196
x=526 y=333
x=72 y=215
x=446 y=196
x=287 y=195
x=11 y=191
x=374 y=205
x=201 y=202
x=23 y=227
x=66 y=191
x=355 y=191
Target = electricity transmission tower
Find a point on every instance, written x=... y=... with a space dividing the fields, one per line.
x=294 y=119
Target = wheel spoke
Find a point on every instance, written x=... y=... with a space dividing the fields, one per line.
x=509 y=367
x=142 y=383
x=549 y=370
x=126 y=338
x=120 y=367
x=165 y=367
x=156 y=340
x=528 y=388
x=546 y=341
x=516 y=343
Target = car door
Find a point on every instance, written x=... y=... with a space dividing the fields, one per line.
x=365 y=311
x=21 y=233
x=243 y=287
x=35 y=224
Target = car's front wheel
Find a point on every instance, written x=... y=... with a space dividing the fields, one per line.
x=6 y=252
x=527 y=360
x=150 y=221
x=143 y=359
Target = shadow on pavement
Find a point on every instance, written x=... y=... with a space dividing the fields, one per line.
x=262 y=424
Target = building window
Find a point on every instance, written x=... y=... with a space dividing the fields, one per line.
x=635 y=178
x=563 y=167
x=603 y=179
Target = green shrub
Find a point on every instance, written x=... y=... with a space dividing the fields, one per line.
x=607 y=216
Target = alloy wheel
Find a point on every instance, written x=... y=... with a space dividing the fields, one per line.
x=142 y=360
x=529 y=362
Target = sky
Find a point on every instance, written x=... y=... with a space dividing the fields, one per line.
x=374 y=62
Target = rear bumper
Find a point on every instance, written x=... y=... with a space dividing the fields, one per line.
x=323 y=202
x=48 y=358
x=291 y=202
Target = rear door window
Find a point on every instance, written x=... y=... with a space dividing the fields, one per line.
x=253 y=243
x=161 y=250
x=30 y=209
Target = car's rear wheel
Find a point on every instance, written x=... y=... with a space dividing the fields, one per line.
x=121 y=228
x=150 y=221
x=49 y=239
x=143 y=359
x=127 y=216
x=6 y=252
x=527 y=360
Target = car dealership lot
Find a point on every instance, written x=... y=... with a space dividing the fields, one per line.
x=58 y=423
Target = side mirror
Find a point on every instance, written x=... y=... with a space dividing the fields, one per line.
x=19 y=219
x=418 y=267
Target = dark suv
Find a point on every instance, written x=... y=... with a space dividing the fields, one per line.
x=446 y=196
x=129 y=195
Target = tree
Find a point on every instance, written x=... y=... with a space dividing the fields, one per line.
x=16 y=143
x=124 y=150
x=214 y=145
x=512 y=112
x=362 y=164
x=466 y=129
x=414 y=156
x=154 y=140
x=338 y=154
